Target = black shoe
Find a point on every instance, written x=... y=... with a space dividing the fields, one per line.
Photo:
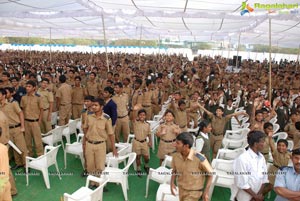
x=84 y=173
x=93 y=187
x=17 y=167
x=14 y=195
x=139 y=173
x=146 y=169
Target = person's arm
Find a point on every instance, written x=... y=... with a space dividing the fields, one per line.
x=57 y=103
x=112 y=141
x=50 y=111
x=236 y=114
x=114 y=113
x=271 y=142
x=21 y=116
x=206 y=111
x=288 y=194
x=209 y=177
x=199 y=144
x=173 y=178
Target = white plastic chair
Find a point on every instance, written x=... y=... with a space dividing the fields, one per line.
x=70 y=129
x=290 y=145
x=115 y=161
x=54 y=116
x=54 y=136
x=228 y=154
x=116 y=175
x=161 y=174
x=87 y=194
x=276 y=128
x=164 y=193
x=234 y=144
x=42 y=163
x=221 y=178
x=236 y=134
x=279 y=135
x=75 y=149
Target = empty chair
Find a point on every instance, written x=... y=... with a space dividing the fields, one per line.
x=87 y=194
x=115 y=161
x=116 y=175
x=236 y=134
x=42 y=163
x=161 y=174
x=54 y=136
x=54 y=116
x=279 y=135
x=234 y=144
x=75 y=149
x=228 y=154
x=164 y=193
x=70 y=129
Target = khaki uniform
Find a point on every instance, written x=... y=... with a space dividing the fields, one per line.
x=159 y=97
x=166 y=143
x=47 y=98
x=127 y=90
x=64 y=93
x=12 y=111
x=93 y=89
x=5 y=190
x=32 y=106
x=122 y=124
x=52 y=87
x=141 y=131
x=77 y=101
x=191 y=174
x=181 y=119
x=148 y=99
x=193 y=112
x=98 y=130
x=293 y=134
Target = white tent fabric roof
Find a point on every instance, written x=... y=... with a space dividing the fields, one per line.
x=184 y=20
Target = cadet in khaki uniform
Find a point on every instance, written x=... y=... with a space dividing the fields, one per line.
x=4 y=137
x=193 y=109
x=32 y=107
x=15 y=119
x=92 y=86
x=78 y=93
x=5 y=194
x=180 y=115
x=218 y=123
x=141 y=130
x=167 y=133
x=159 y=95
x=148 y=99
x=190 y=169
x=47 y=98
x=137 y=95
x=97 y=129
x=122 y=124
x=64 y=101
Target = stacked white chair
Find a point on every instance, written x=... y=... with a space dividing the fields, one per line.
x=75 y=149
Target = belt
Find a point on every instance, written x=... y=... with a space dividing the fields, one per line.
x=194 y=190
x=77 y=104
x=15 y=126
x=276 y=166
x=94 y=142
x=168 y=141
x=146 y=105
x=141 y=141
x=194 y=112
x=65 y=104
x=216 y=134
x=46 y=109
x=123 y=116
x=32 y=120
x=266 y=153
x=182 y=126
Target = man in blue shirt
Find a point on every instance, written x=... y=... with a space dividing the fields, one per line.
x=287 y=183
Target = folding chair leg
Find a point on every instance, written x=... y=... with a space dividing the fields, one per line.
x=58 y=173
x=147 y=186
x=46 y=178
x=65 y=158
x=27 y=179
x=124 y=189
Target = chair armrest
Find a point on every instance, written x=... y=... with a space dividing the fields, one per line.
x=96 y=179
x=28 y=158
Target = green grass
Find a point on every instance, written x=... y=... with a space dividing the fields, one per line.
x=72 y=180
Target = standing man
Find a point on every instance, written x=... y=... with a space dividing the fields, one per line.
x=32 y=107
x=122 y=124
x=190 y=169
x=64 y=101
x=47 y=98
x=251 y=170
x=287 y=183
x=97 y=129
x=78 y=93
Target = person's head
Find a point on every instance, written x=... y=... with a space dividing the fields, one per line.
x=88 y=100
x=293 y=116
x=118 y=87
x=77 y=81
x=137 y=83
x=14 y=81
x=5 y=76
x=205 y=126
x=108 y=92
x=268 y=127
x=30 y=87
x=184 y=142
x=282 y=145
x=98 y=104
x=177 y=95
x=92 y=76
x=109 y=83
x=256 y=140
x=142 y=115
x=169 y=116
x=47 y=75
x=10 y=91
x=219 y=111
x=181 y=105
x=2 y=94
x=229 y=102
x=109 y=75
x=259 y=115
x=265 y=112
x=62 y=79
x=296 y=159
x=126 y=81
x=44 y=83
x=71 y=73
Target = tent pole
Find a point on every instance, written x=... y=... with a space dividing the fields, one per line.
x=270 y=62
x=237 y=52
x=140 y=47
x=229 y=44
x=297 y=63
x=50 y=45
x=104 y=37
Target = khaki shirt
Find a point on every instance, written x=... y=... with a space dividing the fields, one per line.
x=141 y=130
x=191 y=171
x=12 y=111
x=47 y=97
x=98 y=128
x=122 y=104
x=281 y=159
x=181 y=118
x=170 y=131
x=4 y=163
x=64 y=93
x=31 y=106
x=137 y=97
x=78 y=95
x=5 y=129
x=218 y=124
x=293 y=134
x=93 y=88
x=127 y=90
x=148 y=97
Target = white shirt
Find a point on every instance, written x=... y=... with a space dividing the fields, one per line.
x=200 y=142
x=250 y=171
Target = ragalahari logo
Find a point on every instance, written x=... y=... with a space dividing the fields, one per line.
x=246 y=8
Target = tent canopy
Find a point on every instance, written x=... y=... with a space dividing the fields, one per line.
x=182 y=20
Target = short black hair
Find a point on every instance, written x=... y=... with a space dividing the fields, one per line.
x=99 y=100
x=142 y=111
x=180 y=102
x=119 y=84
x=258 y=112
x=139 y=81
x=254 y=137
x=78 y=78
x=9 y=89
x=268 y=124
x=93 y=74
x=31 y=82
x=46 y=79
x=297 y=125
x=283 y=141
x=6 y=74
x=90 y=98
x=62 y=78
x=203 y=124
x=14 y=78
x=110 y=90
x=169 y=111
x=186 y=138
x=2 y=91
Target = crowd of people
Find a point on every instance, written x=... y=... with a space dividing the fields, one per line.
x=116 y=99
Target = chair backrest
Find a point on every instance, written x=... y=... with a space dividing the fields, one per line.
x=228 y=154
x=51 y=154
x=280 y=135
x=73 y=126
x=130 y=138
x=57 y=133
x=79 y=137
x=290 y=145
x=131 y=158
x=167 y=161
x=96 y=194
x=276 y=128
x=223 y=165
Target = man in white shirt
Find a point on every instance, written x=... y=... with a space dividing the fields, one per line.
x=250 y=170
